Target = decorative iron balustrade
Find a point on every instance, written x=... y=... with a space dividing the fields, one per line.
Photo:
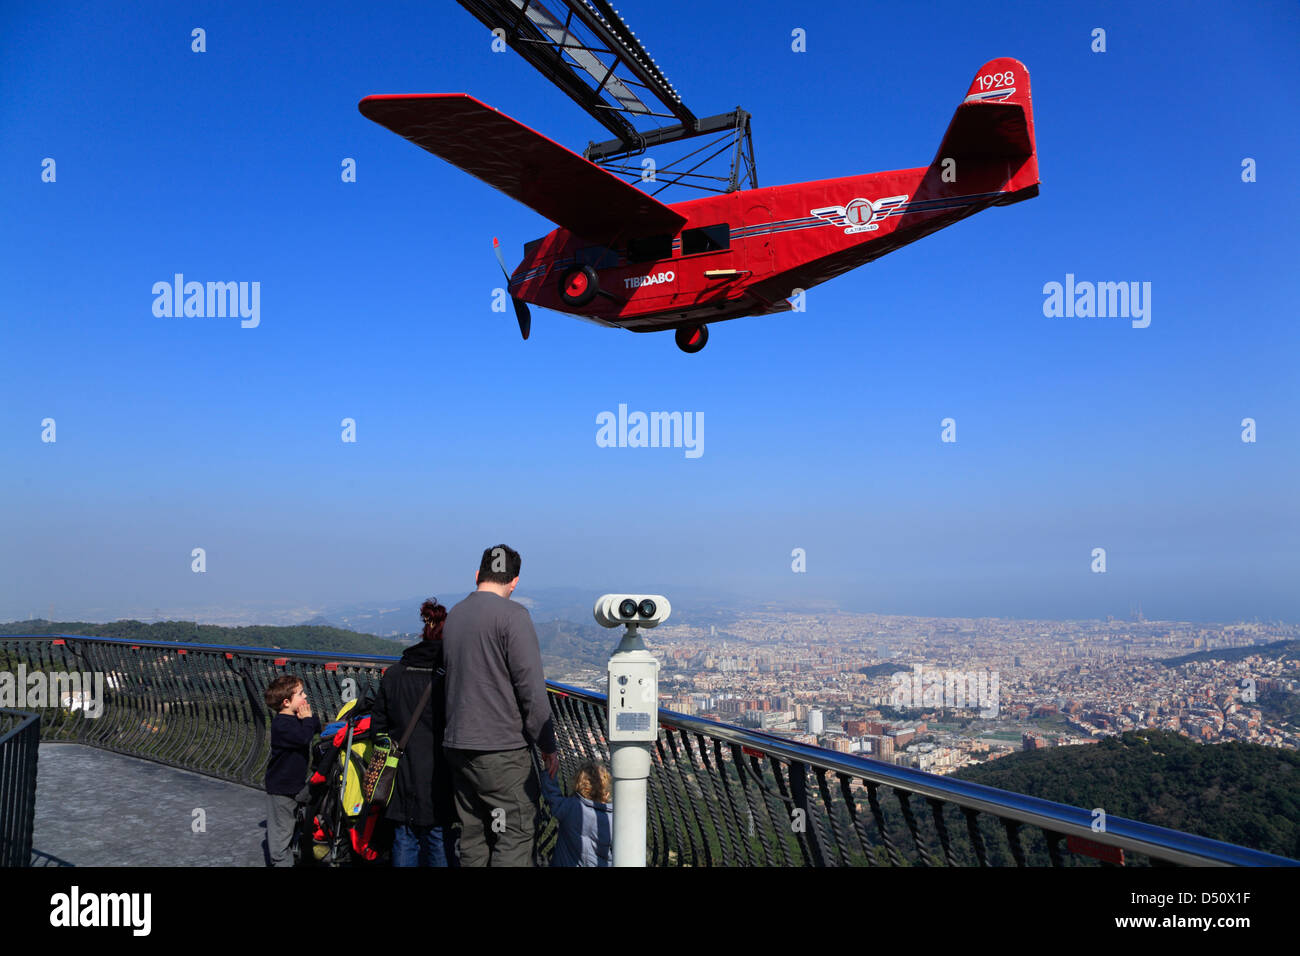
x=20 y=739
x=719 y=795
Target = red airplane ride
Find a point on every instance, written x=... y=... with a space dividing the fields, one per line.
x=624 y=259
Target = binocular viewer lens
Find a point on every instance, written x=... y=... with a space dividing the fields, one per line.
x=629 y=608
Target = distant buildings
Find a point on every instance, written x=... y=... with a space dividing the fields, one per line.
x=1077 y=681
x=882 y=747
x=816 y=722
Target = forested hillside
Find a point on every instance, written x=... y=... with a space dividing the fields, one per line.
x=301 y=637
x=1236 y=792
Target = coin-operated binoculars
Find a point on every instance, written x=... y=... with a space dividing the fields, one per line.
x=633 y=715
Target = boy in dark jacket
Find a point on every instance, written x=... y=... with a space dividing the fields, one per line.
x=422 y=805
x=292 y=729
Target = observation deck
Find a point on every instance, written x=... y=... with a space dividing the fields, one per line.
x=194 y=718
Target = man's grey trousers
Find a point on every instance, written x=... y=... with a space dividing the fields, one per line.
x=496 y=796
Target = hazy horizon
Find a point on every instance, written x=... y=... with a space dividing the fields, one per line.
x=685 y=603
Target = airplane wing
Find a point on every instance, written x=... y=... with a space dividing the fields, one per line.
x=522 y=163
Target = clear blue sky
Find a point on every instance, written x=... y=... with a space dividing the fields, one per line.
x=821 y=429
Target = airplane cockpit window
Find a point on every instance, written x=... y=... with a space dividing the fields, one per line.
x=706 y=239
x=598 y=257
x=651 y=247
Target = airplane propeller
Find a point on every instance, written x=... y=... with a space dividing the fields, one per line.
x=521 y=308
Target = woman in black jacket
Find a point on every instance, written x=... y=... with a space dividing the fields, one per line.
x=422 y=804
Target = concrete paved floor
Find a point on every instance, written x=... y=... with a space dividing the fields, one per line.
x=95 y=808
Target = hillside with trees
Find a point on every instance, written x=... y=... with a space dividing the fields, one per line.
x=1236 y=792
x=300 y=637
x=1275 y=651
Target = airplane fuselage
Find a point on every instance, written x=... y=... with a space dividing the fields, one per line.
x=748 y=252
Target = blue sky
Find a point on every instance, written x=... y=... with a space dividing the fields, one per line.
x=821 y=428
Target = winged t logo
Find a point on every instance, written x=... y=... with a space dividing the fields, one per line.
x=991 y=95
x=861 y=215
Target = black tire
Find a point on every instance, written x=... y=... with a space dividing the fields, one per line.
x=692 y=338
x=579 y=285
x=301 y=843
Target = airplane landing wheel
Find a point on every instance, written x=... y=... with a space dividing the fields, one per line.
x=692 y=338
x=579 y=285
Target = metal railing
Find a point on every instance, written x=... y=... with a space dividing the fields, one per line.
x=723 y=795
x=199 y=707
x=20 y=738
x=719 y=795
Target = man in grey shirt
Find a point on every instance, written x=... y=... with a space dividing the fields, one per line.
x=496 y=710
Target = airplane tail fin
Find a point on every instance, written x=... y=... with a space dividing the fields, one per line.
x=994 y=127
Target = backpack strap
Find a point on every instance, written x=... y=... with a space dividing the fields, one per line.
x=419 y=709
